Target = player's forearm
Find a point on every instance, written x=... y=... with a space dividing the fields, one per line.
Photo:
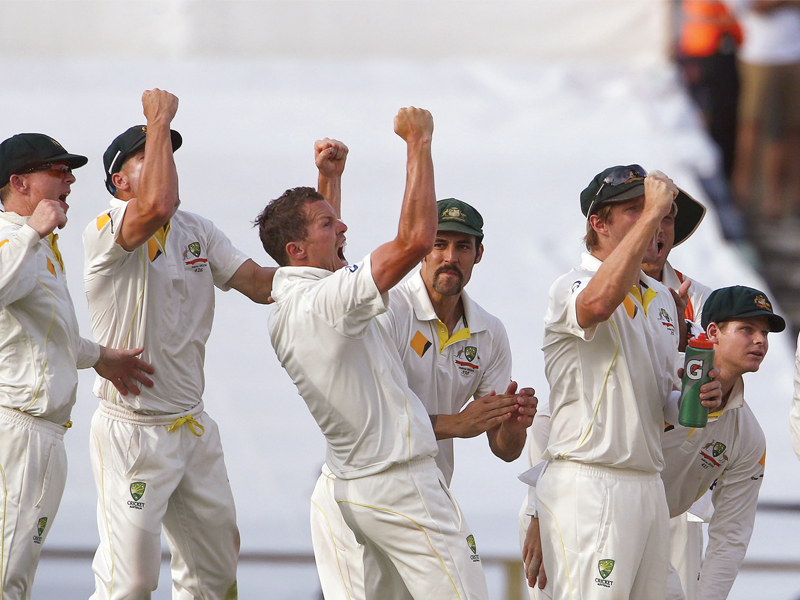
x=505 y=444
x=418 y=219
x=158 y=193
x=445 y=426
x=253 y=281
x=617 y=275
x=331 y=190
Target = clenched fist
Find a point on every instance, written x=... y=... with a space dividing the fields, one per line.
x=330 y=157
x=47 y=216
x=413 y=124
x=159 y=105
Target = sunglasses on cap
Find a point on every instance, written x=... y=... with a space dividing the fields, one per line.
x=619 y=176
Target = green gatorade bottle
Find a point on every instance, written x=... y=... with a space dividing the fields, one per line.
x=699 y=361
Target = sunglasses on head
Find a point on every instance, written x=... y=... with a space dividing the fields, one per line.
x=619 y=176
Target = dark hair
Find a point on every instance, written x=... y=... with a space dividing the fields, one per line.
x=284 y=221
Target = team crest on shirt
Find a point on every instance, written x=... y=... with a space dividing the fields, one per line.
x=40 y=527
x=666 y=321
x=471 y=543
x=466 y=360
x=192 y=257
x=605 y=566
x=137 y=491
x=713 y=454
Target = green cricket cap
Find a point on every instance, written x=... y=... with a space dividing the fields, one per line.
x=626 y=182
x=455 y=215
x=740 y=302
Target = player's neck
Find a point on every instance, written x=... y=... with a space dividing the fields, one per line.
x=727 y=379
x=449 y=309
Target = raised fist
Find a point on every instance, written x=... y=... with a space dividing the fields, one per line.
x=159 y=104
x=413 y=123
x=330 y=157
x=659 y=192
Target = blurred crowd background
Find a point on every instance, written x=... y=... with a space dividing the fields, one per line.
x=740 y=62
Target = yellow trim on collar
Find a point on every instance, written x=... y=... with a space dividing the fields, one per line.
x=444 y=341
x=649 y=295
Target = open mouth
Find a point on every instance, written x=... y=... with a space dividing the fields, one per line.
x=340 y=252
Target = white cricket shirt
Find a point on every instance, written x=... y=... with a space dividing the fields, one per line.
x=609 y=383
x=698 y=293
x=160 y=296
x=40 y=346
x=347 y=369
x=444 y=370
x=728 y=454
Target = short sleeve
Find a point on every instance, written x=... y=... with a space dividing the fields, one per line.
x=497 y=375
x=390 y=320
x=100 y=241
x=348 y=299
x=224 y=257
x=562 y=316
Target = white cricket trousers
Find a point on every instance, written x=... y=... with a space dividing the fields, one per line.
x=686 y=550
x=337 y=553
x=605 y=532
x=686 y=558
x=417 y=544
x=148 y=476
x=33 y=465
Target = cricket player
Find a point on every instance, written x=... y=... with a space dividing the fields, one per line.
x=686 y=537
x=728 y=454
x=40 y=351
x=380 y=442
x=611 y=345
x=451 y=350
x=157 y=459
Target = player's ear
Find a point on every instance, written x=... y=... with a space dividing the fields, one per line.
x=479 y=254
x=712 y=333
x=598 y=224
x=295 y=251
x=18 y=183
x=120 y=181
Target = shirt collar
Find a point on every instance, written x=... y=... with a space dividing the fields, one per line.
x=14 y=218
x=735 y=399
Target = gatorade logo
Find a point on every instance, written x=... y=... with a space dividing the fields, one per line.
x=694 y=369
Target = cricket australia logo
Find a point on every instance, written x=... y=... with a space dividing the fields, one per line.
x=713 y=454
x=466 y=360
x=453 y=213
x=137 y=491
x=663 y=315
x=192 y=257
x=471 y=543
x=604 y=566
x=37 y=539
